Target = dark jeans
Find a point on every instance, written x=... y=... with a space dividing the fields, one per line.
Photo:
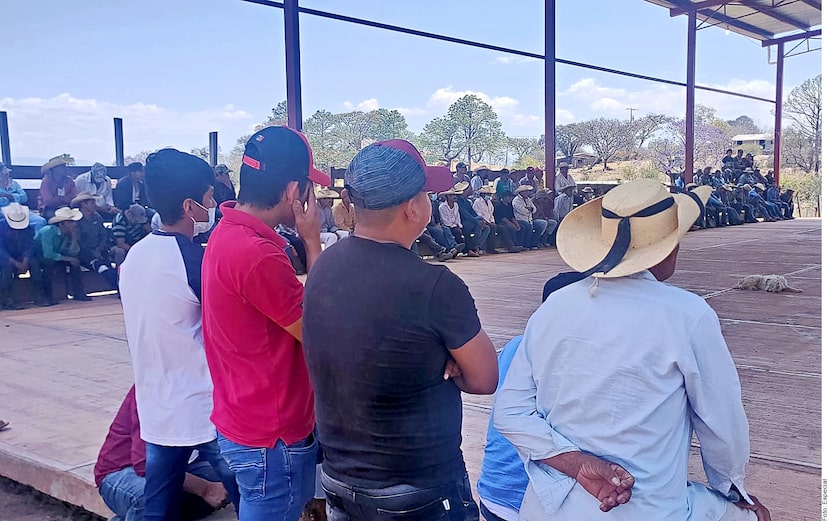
x=490 y=243
x=50 y=268
x=430 y=243
x=442 y=236
x=458 y=235
x=450 y=502
x=164 y=478
x=7 y=271
x=94 y=260
x=475 y=234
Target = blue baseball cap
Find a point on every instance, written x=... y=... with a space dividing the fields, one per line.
x=389 y=173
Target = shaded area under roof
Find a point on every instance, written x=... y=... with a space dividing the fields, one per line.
x=758 y=19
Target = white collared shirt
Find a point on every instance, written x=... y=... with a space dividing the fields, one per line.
x=484 y=208
x=523 y=208
x=626 y=375
x=450 y=217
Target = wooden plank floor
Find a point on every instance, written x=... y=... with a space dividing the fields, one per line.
x=64 y=370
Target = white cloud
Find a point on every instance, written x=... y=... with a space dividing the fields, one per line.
x=408 y=112
x=512 y=58
x=505 y=106
x=45 y=127
x=366 y=105
x=589 y=98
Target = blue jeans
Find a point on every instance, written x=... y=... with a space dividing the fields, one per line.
x=164 y=475
x=442 y=236
x=449 y=502
x=123 y=492
x=489 y=516
x=274 y=483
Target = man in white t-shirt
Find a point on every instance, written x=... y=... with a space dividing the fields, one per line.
x=161 y=292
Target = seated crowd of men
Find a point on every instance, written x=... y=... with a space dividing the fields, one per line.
x=82 y=223
x=287 y=386
x=740 y=193
x=489 y=213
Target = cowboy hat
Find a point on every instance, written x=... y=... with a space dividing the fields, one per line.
x=325 y=193
x=17 y=216
x=746 y=187
x=66 y=214
x=63 y=159
x=449 y=192
x=76 y=202
x=691 y=185
x=460 y=187
x=588 y=190
x=632 y=228
x=760 y=186
x=488 y=189
x=523 y=188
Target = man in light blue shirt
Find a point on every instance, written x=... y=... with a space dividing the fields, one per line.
x=621 y=369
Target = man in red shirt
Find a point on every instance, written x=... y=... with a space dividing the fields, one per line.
x=57 y=188
x=119 y=472
x=252 y=318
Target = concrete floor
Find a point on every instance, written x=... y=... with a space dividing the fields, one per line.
x=64 y=370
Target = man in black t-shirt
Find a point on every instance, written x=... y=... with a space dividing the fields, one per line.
x=387 y=368
x=504 y=214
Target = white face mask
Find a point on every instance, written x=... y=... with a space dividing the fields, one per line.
x=200 y=227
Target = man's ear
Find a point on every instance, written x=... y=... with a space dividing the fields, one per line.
x=292 y=193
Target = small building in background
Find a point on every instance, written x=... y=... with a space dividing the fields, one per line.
x=763 y=141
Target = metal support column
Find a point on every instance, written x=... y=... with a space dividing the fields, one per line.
x=550 y=93
x=213 y=147
x=293 y=89
x=5 y=145
x=691 y=45
x=779 y=103
x=119 y=141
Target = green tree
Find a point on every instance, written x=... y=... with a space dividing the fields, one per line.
x=803 y=108
x=478 y=126
x=321 y=131
x=743 y=125
x=355 y=129
x=441 y=140
x=390 y=124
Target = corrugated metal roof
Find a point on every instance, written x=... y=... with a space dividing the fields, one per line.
x=758 y=19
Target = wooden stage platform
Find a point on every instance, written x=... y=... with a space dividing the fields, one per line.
x=64 y=370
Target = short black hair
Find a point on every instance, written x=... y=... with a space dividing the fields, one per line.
x=261 y=189
x=171 y=177
x=728 y=150
x=135 y=167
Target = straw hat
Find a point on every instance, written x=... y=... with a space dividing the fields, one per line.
x=63 y=159
x=460 y=187
x=632 y=228
x=17 y=216
x=449 y=192
x=747 y=187
x=76 y=202
x=487 y=190
x=325 y=193
x=523 y=188
x=588 y=190
x=66 y=214
x=760 y=186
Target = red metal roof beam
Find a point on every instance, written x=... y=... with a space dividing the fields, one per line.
x=791 y=38
x=677 y=11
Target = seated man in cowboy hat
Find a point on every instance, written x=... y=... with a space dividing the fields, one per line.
x=94 y=239
x=57 y=188
x=483 y=206
x=329 y=232
x=605 y=370
x=97 y=182
x=58 y=247
x=773 y=209
x=543 y=199
x=451 y=219
x=524 y=209
x=17 y=245
x=476 y=232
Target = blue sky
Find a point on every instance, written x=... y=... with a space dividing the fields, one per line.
x=175 y=70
